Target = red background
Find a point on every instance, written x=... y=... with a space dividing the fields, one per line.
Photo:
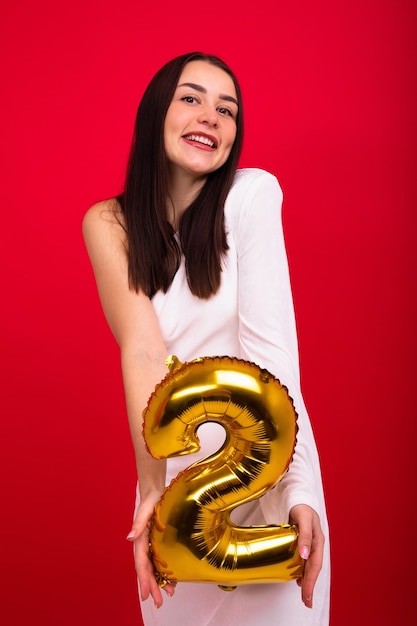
x=330 y=96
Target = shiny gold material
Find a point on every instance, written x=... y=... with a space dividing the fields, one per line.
x=192 y=536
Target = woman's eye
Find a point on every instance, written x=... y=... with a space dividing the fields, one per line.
x=189 y=99
x=225 y=111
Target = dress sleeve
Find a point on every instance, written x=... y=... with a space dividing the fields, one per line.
x=267 y=333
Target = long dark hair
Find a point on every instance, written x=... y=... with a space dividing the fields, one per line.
x=153 y=253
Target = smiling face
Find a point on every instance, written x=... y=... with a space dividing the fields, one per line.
x=200 y=124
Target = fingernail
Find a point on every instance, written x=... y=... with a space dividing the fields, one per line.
x=131 y=534
x=304 y=553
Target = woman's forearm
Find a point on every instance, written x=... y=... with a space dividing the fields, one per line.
x=141 y=373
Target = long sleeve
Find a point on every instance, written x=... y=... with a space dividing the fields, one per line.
x=267 y=331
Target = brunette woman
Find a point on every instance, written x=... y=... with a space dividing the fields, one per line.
x=190 y=260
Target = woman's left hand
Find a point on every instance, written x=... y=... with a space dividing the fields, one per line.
x=311 y=545
x=139 y=535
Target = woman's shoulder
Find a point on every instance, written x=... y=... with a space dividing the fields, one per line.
x=103 y=215
x=104 y=210
x=254 y=191
x=103 y=223
x=254 y=176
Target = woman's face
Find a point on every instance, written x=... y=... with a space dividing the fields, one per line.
x=200 y=125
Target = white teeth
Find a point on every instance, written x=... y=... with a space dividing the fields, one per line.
x=201 y=139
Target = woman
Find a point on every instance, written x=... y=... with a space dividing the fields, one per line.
x=190 y=260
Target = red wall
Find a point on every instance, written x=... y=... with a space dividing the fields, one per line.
x=330 y=97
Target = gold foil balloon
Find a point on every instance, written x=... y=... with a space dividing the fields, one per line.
x=192 y=536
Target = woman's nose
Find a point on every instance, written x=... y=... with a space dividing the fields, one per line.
x=209 y=116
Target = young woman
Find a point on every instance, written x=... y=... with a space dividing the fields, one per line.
x=190 y=260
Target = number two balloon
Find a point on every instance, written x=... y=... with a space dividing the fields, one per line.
x=192 y=536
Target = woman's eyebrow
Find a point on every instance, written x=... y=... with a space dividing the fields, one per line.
x=202 y=89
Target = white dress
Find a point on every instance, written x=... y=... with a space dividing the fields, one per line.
x=252 y=318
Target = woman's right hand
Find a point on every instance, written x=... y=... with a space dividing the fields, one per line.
x=139 y=535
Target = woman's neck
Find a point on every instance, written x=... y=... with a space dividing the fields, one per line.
x=183 y=190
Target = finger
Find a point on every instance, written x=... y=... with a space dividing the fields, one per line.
x=311 y=572
x=149 y=587
x=302 y=517
x=310 y=544
x=312 y=568
x=145 y=572
x=138 y=530
x=148 y=584
x=305 y=536
x=170 y=588
x=154 y=589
